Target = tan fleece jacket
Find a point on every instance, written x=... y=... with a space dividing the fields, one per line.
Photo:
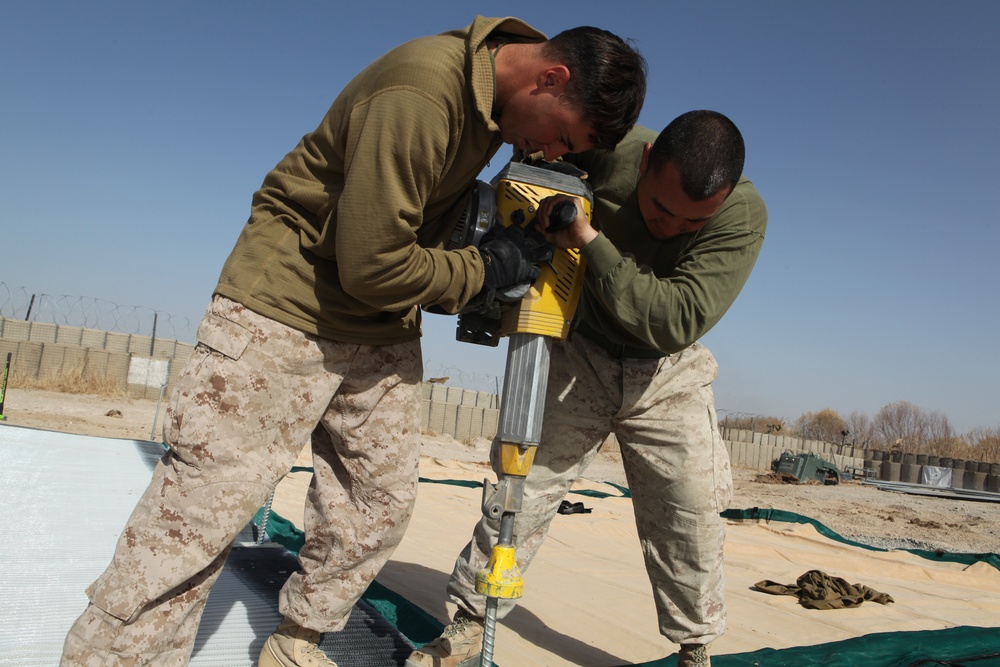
x=346 y=235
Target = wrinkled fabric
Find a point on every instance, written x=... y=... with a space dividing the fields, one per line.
x=348 y=231
x=661 y=294
x=818 y=590
x=254 y=393
x=678 y=471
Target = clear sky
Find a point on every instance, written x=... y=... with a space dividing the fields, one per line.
x=133 y=134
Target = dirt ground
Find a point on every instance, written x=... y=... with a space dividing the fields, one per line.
x=856 y=511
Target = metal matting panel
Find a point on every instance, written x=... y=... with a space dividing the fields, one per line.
x=65 y=500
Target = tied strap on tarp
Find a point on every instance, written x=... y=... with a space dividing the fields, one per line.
x=818 y=590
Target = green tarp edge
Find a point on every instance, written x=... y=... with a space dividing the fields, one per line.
x=765 y=514
x=956 y=647
x=412 y=622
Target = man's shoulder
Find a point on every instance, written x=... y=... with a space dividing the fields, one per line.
x=483 y=26
x=446 y=51
x=747 y=191
x=744 y=208
x=612 y=173
x=448 y=64
x=626 y=153
x=433 y=67
x=640 y=135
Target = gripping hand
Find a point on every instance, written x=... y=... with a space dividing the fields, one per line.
x=510 y=257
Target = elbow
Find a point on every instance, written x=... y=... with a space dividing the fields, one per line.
x=355 y=282
x=680 y=332
x=371 y=288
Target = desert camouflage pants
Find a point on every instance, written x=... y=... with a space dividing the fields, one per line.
x=253 y=394
x=662 y=413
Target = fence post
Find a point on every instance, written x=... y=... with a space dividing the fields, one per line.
x=152 y=339
x=152 y=430
x=3 y=386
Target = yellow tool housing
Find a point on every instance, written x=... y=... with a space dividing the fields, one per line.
x=549 y=306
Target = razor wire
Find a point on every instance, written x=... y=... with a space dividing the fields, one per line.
x=440 y=373
x=19 y=303
x=745 y=420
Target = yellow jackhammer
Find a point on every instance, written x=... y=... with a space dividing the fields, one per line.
x=542 y=316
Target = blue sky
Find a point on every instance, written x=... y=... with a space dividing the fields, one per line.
x=133 y=134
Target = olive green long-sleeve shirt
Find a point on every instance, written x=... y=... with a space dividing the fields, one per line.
x=661 y=295
x=346 y=235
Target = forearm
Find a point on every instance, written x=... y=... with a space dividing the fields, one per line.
x=667 y=313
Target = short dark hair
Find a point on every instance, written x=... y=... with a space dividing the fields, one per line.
x=607 y=80
x=707 y=148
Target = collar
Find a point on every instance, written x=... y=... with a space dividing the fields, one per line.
x=483 y=77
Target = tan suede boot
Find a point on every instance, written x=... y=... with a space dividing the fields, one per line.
x=458 y=646
x=291 y=645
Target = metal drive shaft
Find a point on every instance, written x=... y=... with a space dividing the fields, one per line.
x=525 y=382
x=493 y=601
x=502 y=577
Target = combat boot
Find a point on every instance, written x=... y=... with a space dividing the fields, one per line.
x=693 y=655
x=291 y=645
x=458 y=646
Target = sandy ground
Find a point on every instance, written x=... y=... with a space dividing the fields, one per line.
x=855 y=511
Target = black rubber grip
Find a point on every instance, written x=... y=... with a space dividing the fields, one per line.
x=562 y=216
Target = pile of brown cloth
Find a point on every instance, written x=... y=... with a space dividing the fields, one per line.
x=819 y=590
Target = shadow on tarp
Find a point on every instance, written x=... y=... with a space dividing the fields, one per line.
x=954 y=647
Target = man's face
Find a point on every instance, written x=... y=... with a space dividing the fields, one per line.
x=667 y=210
x=539 y=120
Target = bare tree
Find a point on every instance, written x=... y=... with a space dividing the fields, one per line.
x=910 y=428
x=746 y=421
x=985 y=442
x=900 y=426
x=862 y=431
x=826 y=425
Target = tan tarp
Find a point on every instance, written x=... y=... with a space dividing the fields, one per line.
x=587 y=600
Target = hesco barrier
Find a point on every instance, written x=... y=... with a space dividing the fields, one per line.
x=748 y=449
x=139 y=364
x=461 y=413
x=908 y=468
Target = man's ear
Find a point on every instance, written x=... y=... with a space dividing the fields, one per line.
x=644 y=160
x=553 y=79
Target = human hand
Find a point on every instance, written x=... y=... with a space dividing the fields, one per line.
x=561 y=219
x=510 y=257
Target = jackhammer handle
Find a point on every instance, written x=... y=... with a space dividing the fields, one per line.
x=562 y=216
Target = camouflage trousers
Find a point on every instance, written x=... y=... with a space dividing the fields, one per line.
x=254 y=393
x=663 y=416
